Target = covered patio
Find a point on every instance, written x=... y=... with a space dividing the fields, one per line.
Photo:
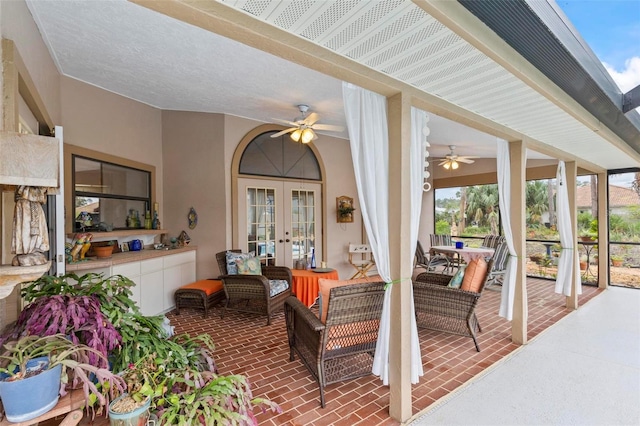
x=245 y=345
x=464 y=74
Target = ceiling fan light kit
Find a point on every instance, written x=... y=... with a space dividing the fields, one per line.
x=452 y=160
x=304 y=127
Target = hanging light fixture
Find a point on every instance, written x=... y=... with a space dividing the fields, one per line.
x=295 y=135
x=307 y=136
x=451 y=164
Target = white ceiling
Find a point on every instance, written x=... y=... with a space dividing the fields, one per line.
x=135 y=52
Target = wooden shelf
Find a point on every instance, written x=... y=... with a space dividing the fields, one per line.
x=122 y=233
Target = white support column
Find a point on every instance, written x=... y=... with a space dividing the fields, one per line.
x=401 y=258
x=603 y=231
x=517 y=151
x=571 y=169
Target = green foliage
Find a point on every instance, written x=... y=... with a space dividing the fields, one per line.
x=74 y=358
x=443 y=227
x=584 y=220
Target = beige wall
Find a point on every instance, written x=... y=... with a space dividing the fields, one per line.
x=193 y=144
x=17 y=24
x=103 y=121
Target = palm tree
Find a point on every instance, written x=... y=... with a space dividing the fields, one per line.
x=537 y=200
x=481 y=201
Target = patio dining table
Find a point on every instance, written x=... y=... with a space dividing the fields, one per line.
x=466 y=253
x=305 y=283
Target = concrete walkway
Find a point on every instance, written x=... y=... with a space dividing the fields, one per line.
x=584 y=370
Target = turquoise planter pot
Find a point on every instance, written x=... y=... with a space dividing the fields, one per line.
x=136 y=417
x=29 y=398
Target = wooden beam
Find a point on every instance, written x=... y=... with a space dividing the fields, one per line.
x=517 y=151
x=571 y=170
x=603 y=231
x=400 y=255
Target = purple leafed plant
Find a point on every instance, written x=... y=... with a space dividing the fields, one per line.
x=77 y=317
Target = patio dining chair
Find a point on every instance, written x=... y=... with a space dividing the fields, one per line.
x=500 y=260
x=262 y=294
x=492 y=241
x=444 y=240
x=428 y=262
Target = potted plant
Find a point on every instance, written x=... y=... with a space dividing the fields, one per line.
x=77 y=316
x=32 y=369
x=617 y=261
x=207 y=398
x=145 y=381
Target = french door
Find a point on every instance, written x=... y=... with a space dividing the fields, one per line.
x=280 y=220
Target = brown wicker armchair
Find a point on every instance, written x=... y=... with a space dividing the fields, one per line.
x=251 y=293
x=343 y=347
x=447 y=309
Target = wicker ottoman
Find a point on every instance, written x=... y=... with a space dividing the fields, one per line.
x=201 y=294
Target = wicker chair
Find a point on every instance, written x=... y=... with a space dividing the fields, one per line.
x=251 y=293
x=447 y=309
x=343 y=347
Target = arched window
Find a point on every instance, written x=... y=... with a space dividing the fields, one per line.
x=279 y=157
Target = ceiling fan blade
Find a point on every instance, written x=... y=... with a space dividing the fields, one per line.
x=465 y=160
x=328 y=127
x=284 y=132
x=287 y=122
x=311 y=119
x=443 y=162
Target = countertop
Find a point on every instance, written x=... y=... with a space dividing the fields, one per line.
x=124 y=257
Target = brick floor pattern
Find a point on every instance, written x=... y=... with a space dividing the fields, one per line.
x=246 y=345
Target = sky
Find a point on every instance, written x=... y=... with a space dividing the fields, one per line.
x=612 y=29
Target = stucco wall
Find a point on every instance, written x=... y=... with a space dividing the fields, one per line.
x=193 y=144
x=103 y=121
x=17 y=24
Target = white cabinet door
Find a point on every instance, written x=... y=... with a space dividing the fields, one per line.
x=172 y=281
x=151 y=295
x=130 y=270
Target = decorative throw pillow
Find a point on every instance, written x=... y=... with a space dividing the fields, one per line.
x=232 y=266
x=475 y=275
x=250 y=266
x=277 y=286
x=456 y=280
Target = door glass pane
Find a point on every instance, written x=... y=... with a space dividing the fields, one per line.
x=302 y=224
x=261 y=223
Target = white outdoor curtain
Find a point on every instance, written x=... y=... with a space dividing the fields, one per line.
x=568 y=261
x=366 y=114
x=504 y=197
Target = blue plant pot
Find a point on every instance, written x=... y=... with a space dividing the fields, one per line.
x=32 y=397
x=133 y=418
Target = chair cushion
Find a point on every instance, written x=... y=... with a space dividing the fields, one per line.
x=324 y=289
x=277 y=286
x=208 y=286
x=232 y=267
x=474 y=275
x=249 y=266
x=456 y=280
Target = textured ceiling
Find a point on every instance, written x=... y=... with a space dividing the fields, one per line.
x=168 y=64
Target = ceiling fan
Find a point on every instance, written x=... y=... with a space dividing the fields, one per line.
x=452 y=160
x=303 y=128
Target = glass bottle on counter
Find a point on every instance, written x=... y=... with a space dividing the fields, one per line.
x=147 y=220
